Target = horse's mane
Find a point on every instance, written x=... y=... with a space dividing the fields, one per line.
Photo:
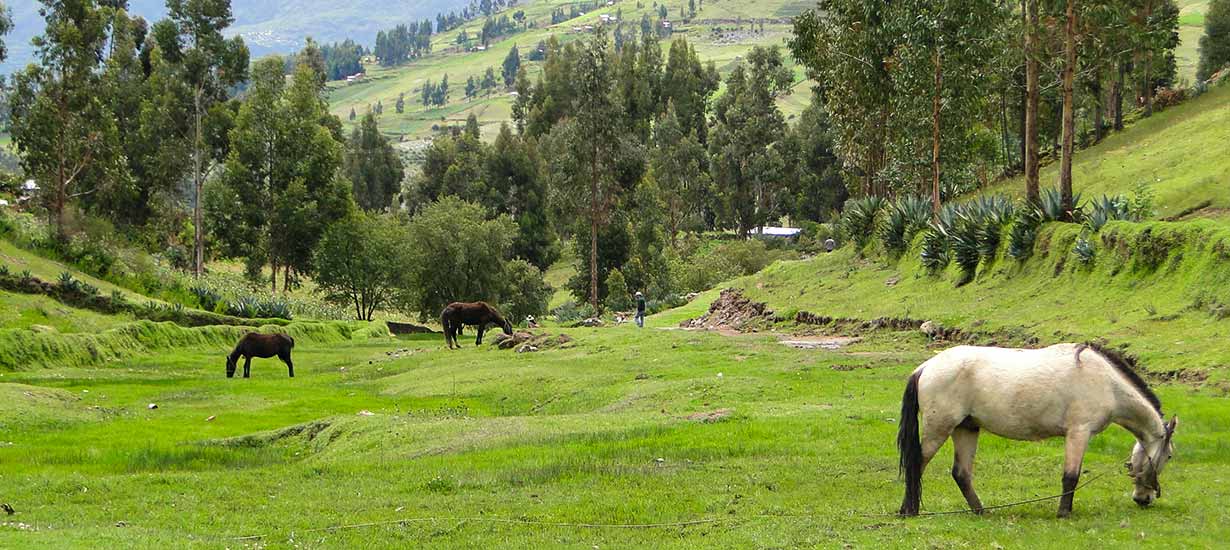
x=1127 y=366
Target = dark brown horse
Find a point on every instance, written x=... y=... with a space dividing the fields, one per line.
x=260 y=345
x=475 y=314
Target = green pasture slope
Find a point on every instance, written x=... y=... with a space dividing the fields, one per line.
x=1180 y=153
x=384 y=84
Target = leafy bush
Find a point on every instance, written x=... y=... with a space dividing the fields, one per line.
x=570 y=311
x=617 y=296
x=526 y=293
x=858 y=219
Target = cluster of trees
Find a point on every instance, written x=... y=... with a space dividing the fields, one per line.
x=117 y=117
x=433 y=94
x=933 y=98
x=504 y=178
x=163 y=131
x=342 y=59
x=485 y=85
x=403 y=43
x=451 y=20
x=1215 y=44
x=634 y=152
x=494 y=28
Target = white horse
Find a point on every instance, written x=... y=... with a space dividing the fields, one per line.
x=1069 y=390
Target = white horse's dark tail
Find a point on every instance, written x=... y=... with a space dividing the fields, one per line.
x=909 y=447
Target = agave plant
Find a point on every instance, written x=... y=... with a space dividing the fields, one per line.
x=1052 y=205
x=1084 y=250
x=858 y=219
x=905 y=218
x=935 y=248
x=964 y=243
x=1024 y=231
x=274 y=308
x=246 y=307
x=1105 y=209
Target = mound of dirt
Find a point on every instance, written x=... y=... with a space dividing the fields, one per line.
x=526 y=342
x=732 y=310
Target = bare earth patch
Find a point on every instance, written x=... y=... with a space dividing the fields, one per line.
x=818 y=342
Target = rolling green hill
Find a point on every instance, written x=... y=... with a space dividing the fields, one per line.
x=384 y=84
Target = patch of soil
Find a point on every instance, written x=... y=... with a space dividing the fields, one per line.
x=819 y=342
x=732 y=311
x=711 y=417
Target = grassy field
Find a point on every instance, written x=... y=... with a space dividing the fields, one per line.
x=1180 y=152
x=460 y=446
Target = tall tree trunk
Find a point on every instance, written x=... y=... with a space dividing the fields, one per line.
x=198 y=241
x=1031 y=102
x=1069 y=125
x=935 y=135
x=1148 y=91
x=1099 y=111
x=593 y=232
x=1117 y=96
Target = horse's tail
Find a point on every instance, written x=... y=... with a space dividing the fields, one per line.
x=909 y=447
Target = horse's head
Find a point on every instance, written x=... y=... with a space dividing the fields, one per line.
x=506 y=326
x=231 y=362
x=1147 y=462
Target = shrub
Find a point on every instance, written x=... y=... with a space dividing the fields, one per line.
x=571 y=311
x=1052 y=205
x=617 y=295
x=526 y=293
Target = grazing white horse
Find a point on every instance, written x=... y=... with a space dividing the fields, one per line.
x=1069 y=390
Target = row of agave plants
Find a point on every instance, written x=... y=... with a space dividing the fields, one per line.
x=969 y=233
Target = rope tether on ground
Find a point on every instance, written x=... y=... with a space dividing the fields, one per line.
x=703 y=521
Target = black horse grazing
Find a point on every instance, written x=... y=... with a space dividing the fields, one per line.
x=477 y=314
x=260 y=345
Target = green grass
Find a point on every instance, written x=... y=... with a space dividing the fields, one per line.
x=557 y=276
x=560 y=436
x=24 y=311
x=1179 y=152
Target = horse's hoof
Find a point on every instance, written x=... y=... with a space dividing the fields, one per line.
x=1063 y=514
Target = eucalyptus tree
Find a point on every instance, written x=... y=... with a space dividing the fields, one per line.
x=939 y=74
x=681 y=171
x=745 y=147
x=210 y=64
x=1215 y=44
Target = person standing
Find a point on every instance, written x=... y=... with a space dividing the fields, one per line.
x=640 y=310
x=829 y=244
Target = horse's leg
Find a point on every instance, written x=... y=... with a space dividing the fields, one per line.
x=964 y=446
x=1074 y=454
x=479 y=341
x=289 y=365
x=247 y=366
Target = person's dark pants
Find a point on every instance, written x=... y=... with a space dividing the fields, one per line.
x=640 y=319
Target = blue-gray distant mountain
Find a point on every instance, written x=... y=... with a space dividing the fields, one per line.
x=266 y=25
